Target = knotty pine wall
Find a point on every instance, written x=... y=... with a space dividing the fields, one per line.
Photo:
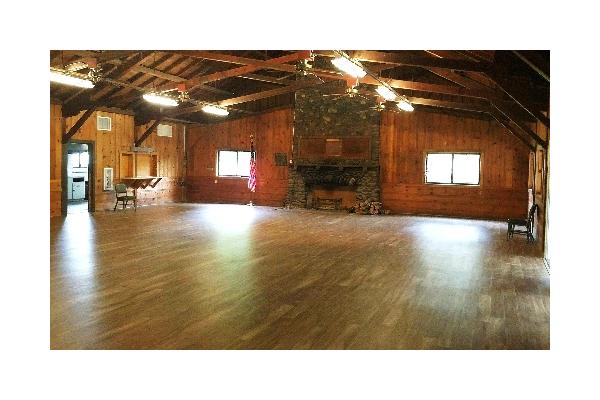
x=55 y=158
x=407 y=137
x=273 y=134
x=108 y=146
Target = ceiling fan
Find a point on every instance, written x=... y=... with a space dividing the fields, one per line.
x=351 y=91
x=304 y=69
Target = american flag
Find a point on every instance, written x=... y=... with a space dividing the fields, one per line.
x=252 y=178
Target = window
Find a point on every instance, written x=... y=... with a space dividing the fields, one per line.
x=78 y=160
x=233 y=163
x=452 y=168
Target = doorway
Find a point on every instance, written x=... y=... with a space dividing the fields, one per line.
x=78 y=181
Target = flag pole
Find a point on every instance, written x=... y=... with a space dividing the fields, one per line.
x=252 y=177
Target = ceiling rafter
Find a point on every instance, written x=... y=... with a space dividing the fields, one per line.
x=507 y=124
x=256 y=65
x=415 y=61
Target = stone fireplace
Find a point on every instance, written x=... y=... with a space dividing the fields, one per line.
x=335 y=156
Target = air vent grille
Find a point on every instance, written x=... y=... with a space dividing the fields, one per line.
x=104 y=123
x=164 y=130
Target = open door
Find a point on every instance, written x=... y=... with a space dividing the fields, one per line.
x=78 y=174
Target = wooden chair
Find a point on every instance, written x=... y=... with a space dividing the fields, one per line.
x=123 y=196
x=527 y=224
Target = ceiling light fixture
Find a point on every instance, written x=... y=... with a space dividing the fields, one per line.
x=349 y=66
x=59 y=77
x=386 y=93
x=210 y=109
x=161 y=100
x=404 y=105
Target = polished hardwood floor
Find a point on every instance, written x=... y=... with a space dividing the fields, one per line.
x=210 y=276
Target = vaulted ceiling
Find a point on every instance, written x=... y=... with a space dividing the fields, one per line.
x=513 y=87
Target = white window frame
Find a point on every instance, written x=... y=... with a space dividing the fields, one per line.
x=238 y=158
x=452 y=183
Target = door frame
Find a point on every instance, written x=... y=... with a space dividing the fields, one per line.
x=91 y=175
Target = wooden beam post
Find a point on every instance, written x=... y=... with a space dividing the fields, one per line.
x=148 y=132
x=68 y=135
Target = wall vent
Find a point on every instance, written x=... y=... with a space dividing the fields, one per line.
x=164 y=130
x=104 y=123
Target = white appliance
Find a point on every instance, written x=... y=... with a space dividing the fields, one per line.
x=78 y=188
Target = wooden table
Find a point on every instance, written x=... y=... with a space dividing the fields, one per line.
x=143 y=182
x=137 y=182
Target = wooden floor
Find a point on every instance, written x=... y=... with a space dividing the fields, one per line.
x=195 y=276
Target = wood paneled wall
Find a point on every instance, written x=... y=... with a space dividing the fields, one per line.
x=108 y=146
x=273 y=134
x=540 y=185
x=407 y=137
x=55 y=158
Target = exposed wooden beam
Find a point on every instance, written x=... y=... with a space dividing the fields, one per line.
x=121 y=70
x=267 y=93
x=521 y=126
x=158 y=74
x=457 y=78
x=519 y=99
x=255 y=65
x=148 y=132
x=416 y=61
x=268 y=79
x=505 y=123
x=68 y=135
x=250 y=97
x=535 y=66
x=449 y=104
x=102 y=56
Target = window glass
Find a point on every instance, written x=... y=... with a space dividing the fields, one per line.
x=465 y=169
x=227 y=163
x=233 y=163
x=456 y=168
x=243 y=163
x=73 y=160
x=84 y=159
x=439 y=168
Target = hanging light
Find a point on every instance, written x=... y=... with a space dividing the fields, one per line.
x=386 y=93
x=404 y=105
x=210 y=109
x=58 y=77
x=350 y=67
x=158 y=99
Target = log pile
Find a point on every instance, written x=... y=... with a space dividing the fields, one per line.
x=368 y=207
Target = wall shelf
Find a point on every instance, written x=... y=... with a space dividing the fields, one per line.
x=138 y=165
